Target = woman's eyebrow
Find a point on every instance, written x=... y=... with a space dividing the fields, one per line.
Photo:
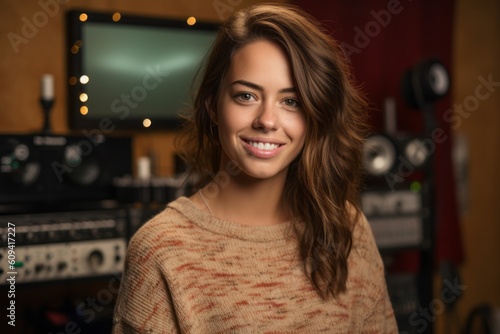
x=260 y=88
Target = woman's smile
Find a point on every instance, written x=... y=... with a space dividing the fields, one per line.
x=260 y=119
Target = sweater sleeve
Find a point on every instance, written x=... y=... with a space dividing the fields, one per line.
x=144 y=303
x=380 y=317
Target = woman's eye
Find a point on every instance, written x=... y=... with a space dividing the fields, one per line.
x=244 y=96
x=292 y=103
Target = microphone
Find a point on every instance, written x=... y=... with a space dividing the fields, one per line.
x=47 y=100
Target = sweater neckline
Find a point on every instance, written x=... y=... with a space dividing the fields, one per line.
x=231 y=229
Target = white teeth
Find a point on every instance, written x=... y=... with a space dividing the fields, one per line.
x=263 y=146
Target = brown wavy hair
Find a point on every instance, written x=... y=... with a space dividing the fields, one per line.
x=322 y=187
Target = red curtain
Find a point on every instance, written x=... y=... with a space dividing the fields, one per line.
x=383 y=40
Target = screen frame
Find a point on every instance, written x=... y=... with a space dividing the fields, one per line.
x=75 y=65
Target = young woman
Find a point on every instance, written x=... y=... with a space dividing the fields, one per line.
x=274 y=240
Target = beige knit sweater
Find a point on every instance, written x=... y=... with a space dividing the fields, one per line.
x=189 y=272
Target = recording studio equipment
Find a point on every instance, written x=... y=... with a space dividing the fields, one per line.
x=425 y=83
x=63 y=245
x=146 y=188
x=50 y=168
x=398 y=218
x=398 y=201
x=401 y=220
x=405 y=299
x=422 y=86
x=47 y=100
x=379 y=155
x=158 y=190
x=390 y=119
x=398 y=156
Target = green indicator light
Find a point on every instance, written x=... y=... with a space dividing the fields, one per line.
x=18 y=264
x=415 y=187
x=15 y=164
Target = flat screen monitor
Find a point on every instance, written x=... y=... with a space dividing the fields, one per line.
x=132 y=72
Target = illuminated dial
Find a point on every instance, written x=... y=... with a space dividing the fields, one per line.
x=416 y=152
x=379 y=155
x=73 y=155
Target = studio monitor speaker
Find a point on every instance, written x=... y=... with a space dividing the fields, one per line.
x=40 y=168
x=392 y=159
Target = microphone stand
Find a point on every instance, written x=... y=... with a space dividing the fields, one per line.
x=46 y=108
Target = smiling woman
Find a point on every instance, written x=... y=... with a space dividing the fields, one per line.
x=261 y=124
x=274 y=239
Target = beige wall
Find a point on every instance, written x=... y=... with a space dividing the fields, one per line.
x=476 y=52
x=44 y=52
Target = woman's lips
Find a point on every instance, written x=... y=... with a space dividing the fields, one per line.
x=263 y=149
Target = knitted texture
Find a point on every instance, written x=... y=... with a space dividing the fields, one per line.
x=189 y=272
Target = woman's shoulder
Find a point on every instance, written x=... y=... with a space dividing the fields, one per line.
x=364 y=248
x=165 y=228
x=367 y=276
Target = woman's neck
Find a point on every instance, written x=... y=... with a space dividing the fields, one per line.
x=245 y=200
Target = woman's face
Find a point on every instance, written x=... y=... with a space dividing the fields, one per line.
x=260 y=119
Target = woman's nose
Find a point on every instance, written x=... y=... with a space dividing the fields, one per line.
x=267 y=117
